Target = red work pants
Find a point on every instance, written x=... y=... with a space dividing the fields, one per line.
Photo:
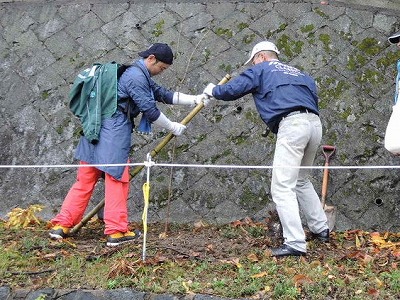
x=77 y=199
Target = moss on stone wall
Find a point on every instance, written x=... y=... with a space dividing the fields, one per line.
x=288 y=46
x=158 y=28
x=251 y=200
x=343 y=47
x=329 y=90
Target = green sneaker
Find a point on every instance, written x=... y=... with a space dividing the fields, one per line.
x=119 y=238
x=59 y=232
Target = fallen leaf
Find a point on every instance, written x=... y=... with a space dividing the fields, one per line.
x=186 y=285
x=210 y=248
x=315 y=263
x=301 y=279
x=19 y=217
x=396 y=253
x=253 y=257
x=236 y=223
x=268 y=253
x=50 y=255
x=267 y=288
x=160 y=258
x=377 y=239
x=259 y=275
x=248 y=221
x=66 y=241
x=237 y=263
x=233 y=261
x=373 y=292
x=383 y=261
x=195 y=254
x=358 y=242
x=200 y=224
x=291 y=271
x=355 y=254
x=163 y=235
x=379 y=282
x=367 y=259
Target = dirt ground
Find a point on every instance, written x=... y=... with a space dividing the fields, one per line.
x=194 y=241
x=351 y=258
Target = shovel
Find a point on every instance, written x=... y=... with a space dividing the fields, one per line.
x=330 y=211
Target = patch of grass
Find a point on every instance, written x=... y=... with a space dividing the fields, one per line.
x=231 y=260
x=392 y=280
x=230 y=232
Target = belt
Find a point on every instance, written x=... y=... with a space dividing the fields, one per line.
x=296 y=112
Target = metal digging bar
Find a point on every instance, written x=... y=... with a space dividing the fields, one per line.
x=153 y=153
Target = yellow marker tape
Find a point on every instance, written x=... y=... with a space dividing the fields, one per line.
x=146 y=194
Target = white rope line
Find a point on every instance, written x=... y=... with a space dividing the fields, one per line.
x=272 y=167
x=70 y=166
x=152 y=163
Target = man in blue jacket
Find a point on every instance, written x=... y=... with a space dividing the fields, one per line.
x=287 y=101
x=137 y=93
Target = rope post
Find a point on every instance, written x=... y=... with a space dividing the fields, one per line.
x=146 y=194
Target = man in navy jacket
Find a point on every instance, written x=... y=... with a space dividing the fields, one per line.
x=286 y=99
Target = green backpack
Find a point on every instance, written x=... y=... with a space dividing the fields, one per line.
x=93 y=96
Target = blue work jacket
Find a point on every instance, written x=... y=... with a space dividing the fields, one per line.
x=142 y=91
x=277 y=89
x=136 y=87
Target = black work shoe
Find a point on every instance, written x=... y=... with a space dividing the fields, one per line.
x=323 y=236
x=286 y=250
x=119 y=238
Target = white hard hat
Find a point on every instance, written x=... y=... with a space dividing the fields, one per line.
x=262 y=46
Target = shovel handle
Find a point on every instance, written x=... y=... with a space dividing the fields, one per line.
x=324 y=185
x=169 y=136
x=328 y=152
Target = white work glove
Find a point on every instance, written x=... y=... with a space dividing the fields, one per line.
x=185 y=99
x=174 y=127
x=205 y=99
x=209 y=90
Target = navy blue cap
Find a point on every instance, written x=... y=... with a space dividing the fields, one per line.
x=161 y=51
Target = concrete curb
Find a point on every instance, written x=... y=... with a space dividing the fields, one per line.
x=7 y=293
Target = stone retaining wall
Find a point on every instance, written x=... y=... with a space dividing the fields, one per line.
x=343 y=45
